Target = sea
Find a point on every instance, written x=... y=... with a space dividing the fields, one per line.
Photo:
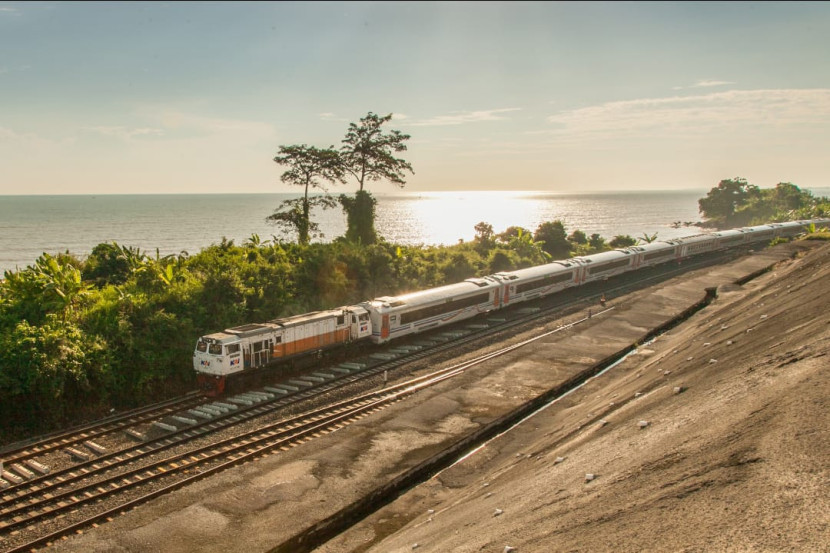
x=171 y=224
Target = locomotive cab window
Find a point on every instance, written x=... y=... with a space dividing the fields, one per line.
x=215 y=349
x=233 y=348
x=201 y=345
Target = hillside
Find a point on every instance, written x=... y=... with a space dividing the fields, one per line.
x=737 y=461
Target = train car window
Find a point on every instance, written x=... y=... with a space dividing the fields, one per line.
x=233 y=348
x=440 y=309
x=732 y=239
x=257 y=346
x=215 y=349
x=541 y=283
x=609 y=267
x=655 y=255
x=201 y=345
x=341 y=319
x=278 y=339
x=364 y=317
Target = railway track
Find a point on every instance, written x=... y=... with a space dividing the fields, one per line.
x=21 y=453
x=57 y=500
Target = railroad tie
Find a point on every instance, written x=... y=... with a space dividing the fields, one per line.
x=202 y=414
x=23 y=471
x=11 y=477
x=135 y=435
x=216 y=409
x=42 y=469
x=77 y=454
x=240 y=401
x=263 y=395
x=165 y=426
x=95 y=448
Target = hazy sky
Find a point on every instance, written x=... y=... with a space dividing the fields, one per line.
x=196 y=97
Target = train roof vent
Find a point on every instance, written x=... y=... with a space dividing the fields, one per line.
x=248 y=329
x=480 y=282
x=396 y=303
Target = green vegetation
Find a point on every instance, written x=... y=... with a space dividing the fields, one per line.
x=736 y=203
x=115 y=330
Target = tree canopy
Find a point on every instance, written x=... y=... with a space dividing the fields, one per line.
x=736 y=203
x=723 y=201
x=367 y=152
x=309 y=167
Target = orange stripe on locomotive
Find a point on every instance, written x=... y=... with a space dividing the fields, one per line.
x=311 y=343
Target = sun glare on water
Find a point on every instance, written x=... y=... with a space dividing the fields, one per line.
x=447 y=217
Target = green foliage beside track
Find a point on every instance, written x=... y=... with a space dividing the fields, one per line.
x=117 y=329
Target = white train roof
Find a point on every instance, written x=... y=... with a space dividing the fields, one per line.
x=538 y=271
x=597 y=258
x=435 y=294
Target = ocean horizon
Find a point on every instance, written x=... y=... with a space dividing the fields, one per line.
x=172 y=223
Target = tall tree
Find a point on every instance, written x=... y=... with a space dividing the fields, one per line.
x=723 y=201
x=309 y=167
x=367 y=154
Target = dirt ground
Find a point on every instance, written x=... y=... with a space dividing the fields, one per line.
x=712 y=438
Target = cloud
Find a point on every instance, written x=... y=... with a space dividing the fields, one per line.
x=704 y=84
x=735 y=109
x=124 y=133
x=8 y=10
x=328 y=116
x=174 y=124
x=462 y=117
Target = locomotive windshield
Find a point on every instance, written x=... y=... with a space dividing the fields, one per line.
x=201 y=345
x=215 y=349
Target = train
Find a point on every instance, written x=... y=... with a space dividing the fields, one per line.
x=224 y=356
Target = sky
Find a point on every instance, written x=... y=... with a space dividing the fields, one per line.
x=197 y=97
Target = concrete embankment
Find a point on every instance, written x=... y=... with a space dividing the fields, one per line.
x=259 y=506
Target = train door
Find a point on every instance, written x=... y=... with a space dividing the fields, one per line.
x=384 y=327
x=260 y=353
